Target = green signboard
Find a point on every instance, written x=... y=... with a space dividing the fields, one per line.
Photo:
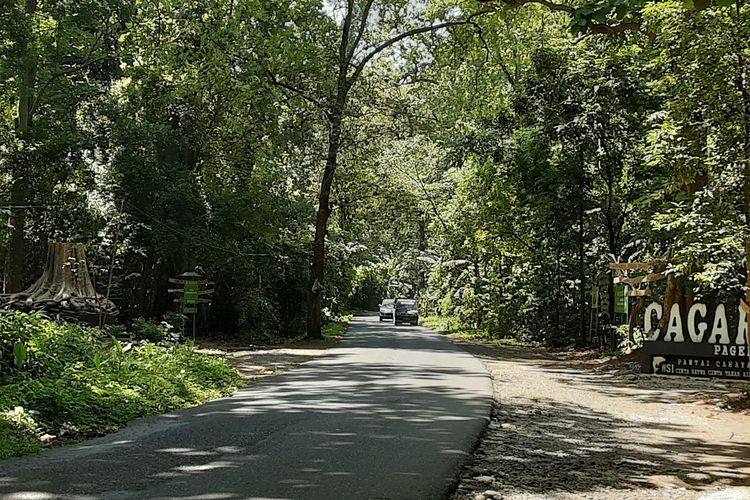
x=190 y=294
x=621 y=299
x=190 y=298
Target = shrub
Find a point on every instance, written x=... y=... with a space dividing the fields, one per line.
x=116 y=331
x=15 y=328
x=79 y=384
x=18 y=433
x=146 y=330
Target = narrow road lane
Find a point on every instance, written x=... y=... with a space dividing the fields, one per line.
x=391 y=413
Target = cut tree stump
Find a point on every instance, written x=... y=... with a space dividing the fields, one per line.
x=64 y=288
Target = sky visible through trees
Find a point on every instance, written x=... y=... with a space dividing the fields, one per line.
x=494 y=156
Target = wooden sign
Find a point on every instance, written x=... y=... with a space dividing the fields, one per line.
x=639 y=293
x=648 y=278
x=180 y=300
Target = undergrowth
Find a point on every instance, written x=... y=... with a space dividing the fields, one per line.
x=332 y=332
x=71 y=383
x=454 y=328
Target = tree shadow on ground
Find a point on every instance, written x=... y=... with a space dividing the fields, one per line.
x=397 y=423
x=546 y=447
x=538 y=444
x=614 y=379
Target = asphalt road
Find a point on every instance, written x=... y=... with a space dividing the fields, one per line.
x=391 y=413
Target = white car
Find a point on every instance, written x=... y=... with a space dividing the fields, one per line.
x=386 y=309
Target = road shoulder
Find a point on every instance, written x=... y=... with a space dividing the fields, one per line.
x=566 y=428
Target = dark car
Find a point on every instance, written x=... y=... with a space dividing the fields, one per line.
x=386 y=309
x=406 y=312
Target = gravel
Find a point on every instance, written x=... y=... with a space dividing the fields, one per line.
x=562 y=428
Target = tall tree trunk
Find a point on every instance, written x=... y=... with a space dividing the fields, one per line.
x=582 y=279
x=422 y=247
x=742 y=85
x=315 y=289
x=15 y=257
x=581 y=254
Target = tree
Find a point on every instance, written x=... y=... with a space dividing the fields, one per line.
x=365 y=30
x=57 y=57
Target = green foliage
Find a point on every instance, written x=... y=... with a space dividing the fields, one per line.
x=493 y=176
x=143 y=329
x=19 y=434
x=79 y=385
x=368 y=287
x=335 y=329
x=456 y=329
x=20 y=354
x=114 y=331
x=442 y=324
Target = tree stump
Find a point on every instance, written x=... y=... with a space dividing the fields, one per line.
x=64 y=288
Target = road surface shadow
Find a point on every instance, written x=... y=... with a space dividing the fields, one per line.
x=327 y=429
x=608 y=378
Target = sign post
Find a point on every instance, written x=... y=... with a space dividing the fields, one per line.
x=622 y=294
x=191 y=294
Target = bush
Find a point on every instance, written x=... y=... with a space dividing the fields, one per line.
x=114 y=331
x=18 y=433
x=15 y=329
x=78 y=384
x=146 y=330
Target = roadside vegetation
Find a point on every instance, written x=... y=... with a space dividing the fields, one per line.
x=456 y=329
x=61 y=382
x=332 y=331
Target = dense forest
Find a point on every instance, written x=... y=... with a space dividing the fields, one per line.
x=490 y=157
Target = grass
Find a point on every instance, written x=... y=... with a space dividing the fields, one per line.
x=72 y=384
x=332 y=333
x=455 y=329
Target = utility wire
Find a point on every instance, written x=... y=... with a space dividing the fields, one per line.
x=155 y=219
x=193 y=238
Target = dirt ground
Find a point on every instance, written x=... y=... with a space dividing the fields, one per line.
x=262 y=361
x=570 y=427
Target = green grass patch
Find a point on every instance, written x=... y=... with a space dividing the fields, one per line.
x=454 y=328
x=332 y=332
x=74 y=384
x=336 y=329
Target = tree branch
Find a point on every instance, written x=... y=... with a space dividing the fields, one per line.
x=600 y=28
x=557 y=7
x=345 y=32
x=298 y=92
x=362 y=27
x=613 y=29
x=360 y=66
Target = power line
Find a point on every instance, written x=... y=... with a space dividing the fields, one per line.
x=193 y=238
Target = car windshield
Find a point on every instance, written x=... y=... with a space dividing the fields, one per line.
x=405 y=305
x=387 y=302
